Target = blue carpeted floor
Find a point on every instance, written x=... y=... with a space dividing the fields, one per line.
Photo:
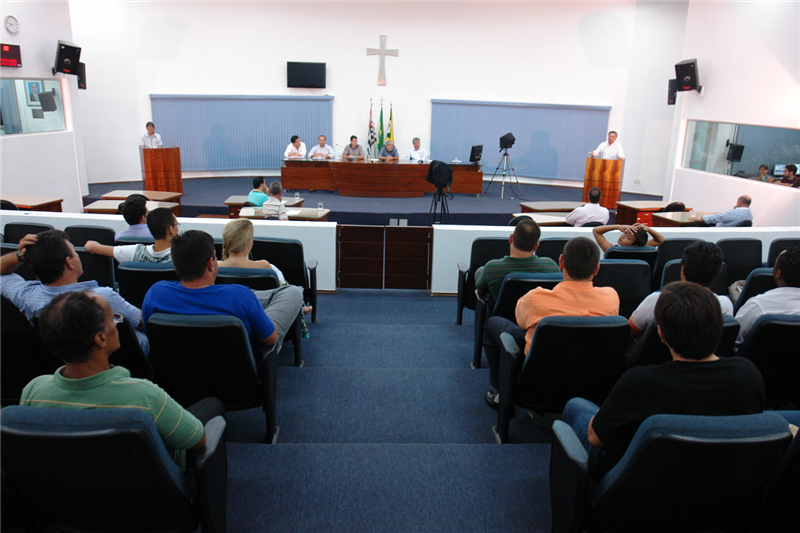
x=385 y=429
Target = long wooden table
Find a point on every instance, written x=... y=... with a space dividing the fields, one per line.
x=629 y=212
x=236 y=202
x=303 y=213
x=676 y=219
x=545 y=219
x=538 y=207
x=397 y=179
x=28 y=202
x=111 y=207
x=156 y=196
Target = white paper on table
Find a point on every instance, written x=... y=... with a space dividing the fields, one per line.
x=292 y=212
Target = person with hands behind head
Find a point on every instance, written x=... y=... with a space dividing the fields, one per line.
x=636 y=235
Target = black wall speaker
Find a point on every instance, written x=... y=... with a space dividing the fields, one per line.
x=686 y=74
x=68 y=56
x=81 y=76
x=672 y=92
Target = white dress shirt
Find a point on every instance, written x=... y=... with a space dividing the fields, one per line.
x=151 y=141
x=292 y=150
x=587 y=213
x=418 y=155
x=780 y=301
x=609 y=151
x=318 y=150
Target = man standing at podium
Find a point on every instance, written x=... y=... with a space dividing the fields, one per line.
x=610 y=149
x=151 y=139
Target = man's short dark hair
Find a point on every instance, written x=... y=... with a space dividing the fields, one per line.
x=295 y=137
x=47 y=255
x=322 y=137
x=149 y=124
x=701 y=261
x=581 y=256
x=526 y=235
x=765 y=167
x=690 y=319
x=594 y=195
x=614 y=132
x=159 y=221
x=640 y=237
x=257 y=181
x=69 y=323
x=191 y=251
x=788 y=262
x=275 y=188
x=791 y=168
x=353 y=137
x=133 y=209
x=745 y=200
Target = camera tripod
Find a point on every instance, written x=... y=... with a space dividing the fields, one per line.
x=439 y=202
x=506 y=162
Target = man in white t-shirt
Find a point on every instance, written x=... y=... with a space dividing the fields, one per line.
x=610 y=149
x=785 y=300
x=700 y=263
x=162 y=224
x=591 y=212
x=296 y=149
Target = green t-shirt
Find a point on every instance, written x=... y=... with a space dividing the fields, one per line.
x=495 y=270
x=115 y=388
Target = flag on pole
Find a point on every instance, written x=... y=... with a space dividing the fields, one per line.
x=380 y=130
x=390 y=129
x=373 y=136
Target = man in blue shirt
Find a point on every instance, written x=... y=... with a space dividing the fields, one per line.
x=134 y=211
x=389 y=152
x=259 y=193
x=739 y=213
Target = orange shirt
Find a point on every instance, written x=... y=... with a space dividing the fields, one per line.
x=568 y=298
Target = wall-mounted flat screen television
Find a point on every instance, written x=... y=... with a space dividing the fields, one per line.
x=305 y=75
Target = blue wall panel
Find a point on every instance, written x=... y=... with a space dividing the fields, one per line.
x=239 y=132
x=552 y=140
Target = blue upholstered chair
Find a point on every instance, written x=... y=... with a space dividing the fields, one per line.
x=680 y=473
x=758 y=282
x=484 y=249
x=78 y=235
x=742 y=257
x=629 y=277
x=672 y=272
x=777 y=246
x=667 y=251
x=13 y=232
x=288 y=255
x=135 y=278
x=551 y=247
x=641 y=253
x=91 y=470
x=568 y=357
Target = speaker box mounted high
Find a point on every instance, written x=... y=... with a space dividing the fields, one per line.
x=686 y=74
x=81 y=76
x=672 y=92
x=68 y=56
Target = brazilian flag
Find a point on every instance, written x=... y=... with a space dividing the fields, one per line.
x=380 y=132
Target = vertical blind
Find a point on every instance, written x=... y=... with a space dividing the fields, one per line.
x=552 y=141
x=217 y=132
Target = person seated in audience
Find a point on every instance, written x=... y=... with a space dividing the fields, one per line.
x=591 y=212
x=790 y=177
x=57 y=267
x=389 y=152
x=575 y=296
x=237 y=241
x=637 y=235
x=273 y=208
x=80 y=328
x=732 y=217
x=784 y=300
x=700 y=263
x=763 y=174
x=695 y=382
x=267 y=315
x=163 y=226
x=521 y=258
x=296 y=149
x=134 y=211
x=260 y=193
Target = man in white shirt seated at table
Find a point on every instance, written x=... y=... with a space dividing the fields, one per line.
x=610 y=149
x=296 y=149
x=322 y=150
x=417 y=154
x=591 y=212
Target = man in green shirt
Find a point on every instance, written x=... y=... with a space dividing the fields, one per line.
x=80 y=328
x=522 y=258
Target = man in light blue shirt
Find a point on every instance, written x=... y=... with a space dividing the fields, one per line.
x=739 y=213
x=389 y=152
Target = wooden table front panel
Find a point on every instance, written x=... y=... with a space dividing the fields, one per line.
x=34 y=203
x=360 y=257
x=408 y=256
x=307 y=175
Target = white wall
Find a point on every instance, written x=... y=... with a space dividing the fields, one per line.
x=748 y=56
x=52 y=163
x=596 y=53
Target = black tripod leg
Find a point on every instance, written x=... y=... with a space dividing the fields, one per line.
x=519 y=187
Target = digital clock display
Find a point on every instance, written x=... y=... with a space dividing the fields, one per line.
x=10 y=55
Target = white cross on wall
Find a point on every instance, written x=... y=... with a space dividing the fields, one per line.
x=383 y=52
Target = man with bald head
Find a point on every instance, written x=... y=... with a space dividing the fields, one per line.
x=739 y=213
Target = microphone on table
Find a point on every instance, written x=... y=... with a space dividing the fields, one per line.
x=342 y=147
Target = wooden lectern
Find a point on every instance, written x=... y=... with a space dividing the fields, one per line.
x=161 y=169
x=606 y=175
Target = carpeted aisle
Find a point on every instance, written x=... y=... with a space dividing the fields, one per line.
x=385 y=429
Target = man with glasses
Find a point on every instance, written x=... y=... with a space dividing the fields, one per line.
x=162 y=224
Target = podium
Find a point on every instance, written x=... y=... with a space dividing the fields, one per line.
x=606 y=175
x=161 y=169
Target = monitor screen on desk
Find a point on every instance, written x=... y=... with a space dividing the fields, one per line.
x=475 y=153
x=305 y=75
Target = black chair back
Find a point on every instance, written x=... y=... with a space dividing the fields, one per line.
x=772 y=346
x=758 y=282
x=99 y=268
x=13 y=232
x=629 y=277
x=640 y=253
x=667 y=251
x=674 y=206
x=744 y=224
x=259 y=279
x=672 y=272
x=130 y=239
x=775 y=248
x=130 y=353
x=9 y=206
x=78 y=235
x=742 y=257
x=21 y=353
x=23 y=269
x=552 y=248
x=592 y=225
x=288 y=255
x=516 y=220
x=135 y=279
x=484 y=249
